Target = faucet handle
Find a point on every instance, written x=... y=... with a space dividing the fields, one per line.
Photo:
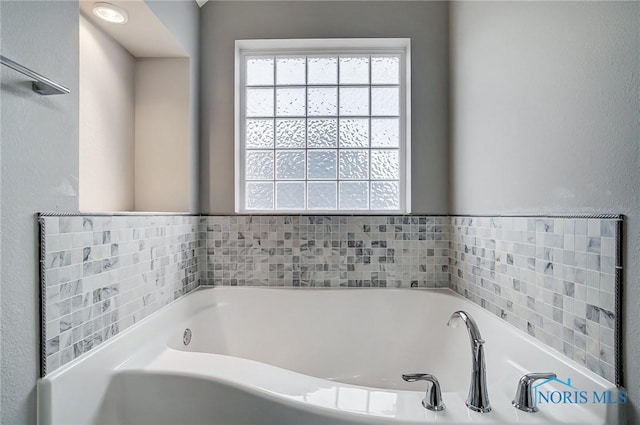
x=524 y=394
x=433 y=396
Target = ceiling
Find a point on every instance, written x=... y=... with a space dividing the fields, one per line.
x=143 y=35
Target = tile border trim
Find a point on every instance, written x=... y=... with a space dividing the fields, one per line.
x=113 y=214
x=170 y=214
x=42 y=296
x=619 y=281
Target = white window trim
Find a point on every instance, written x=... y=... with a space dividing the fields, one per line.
x=324 y=46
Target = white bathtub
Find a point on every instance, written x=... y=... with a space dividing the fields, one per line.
x=308 y=356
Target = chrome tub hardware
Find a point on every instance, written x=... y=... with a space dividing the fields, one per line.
x=524 y=395
x=186 y=336
x=433 y=396
x=478 y=399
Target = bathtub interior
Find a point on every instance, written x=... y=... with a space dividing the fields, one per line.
x=366 y=337
x=345 y=338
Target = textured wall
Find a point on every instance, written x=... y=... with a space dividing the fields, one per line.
x=40 y=137
x=106 y=122
x=545 y=119
x=426 y=23
x=1 y=224
x=544 y=106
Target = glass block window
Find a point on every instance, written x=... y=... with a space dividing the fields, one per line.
x=322 y=131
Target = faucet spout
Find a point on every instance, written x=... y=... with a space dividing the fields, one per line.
x=478 y=399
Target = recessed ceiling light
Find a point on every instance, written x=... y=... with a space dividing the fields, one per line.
x=110 y=13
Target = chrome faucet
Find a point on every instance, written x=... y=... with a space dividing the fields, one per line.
x=433 y=397
x=524 y=395
x=478 y=399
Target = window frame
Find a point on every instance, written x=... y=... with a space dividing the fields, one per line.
x=311 y=47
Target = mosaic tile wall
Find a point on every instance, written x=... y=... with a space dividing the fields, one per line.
x=330 y=251
x=552 y=278
x=105 y=273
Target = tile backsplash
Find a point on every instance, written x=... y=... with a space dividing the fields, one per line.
x=331 y=251
x=104 y=273
x=554 y=278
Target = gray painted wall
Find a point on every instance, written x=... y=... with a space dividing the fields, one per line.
x=182 y=19
x=40 y=136
x=426 y=23
x=1 y=363
x=545 y=107
x=1 y=397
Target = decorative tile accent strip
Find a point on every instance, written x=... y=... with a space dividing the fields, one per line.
x=104 y=273
x=330 y=251
x=554 y=278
